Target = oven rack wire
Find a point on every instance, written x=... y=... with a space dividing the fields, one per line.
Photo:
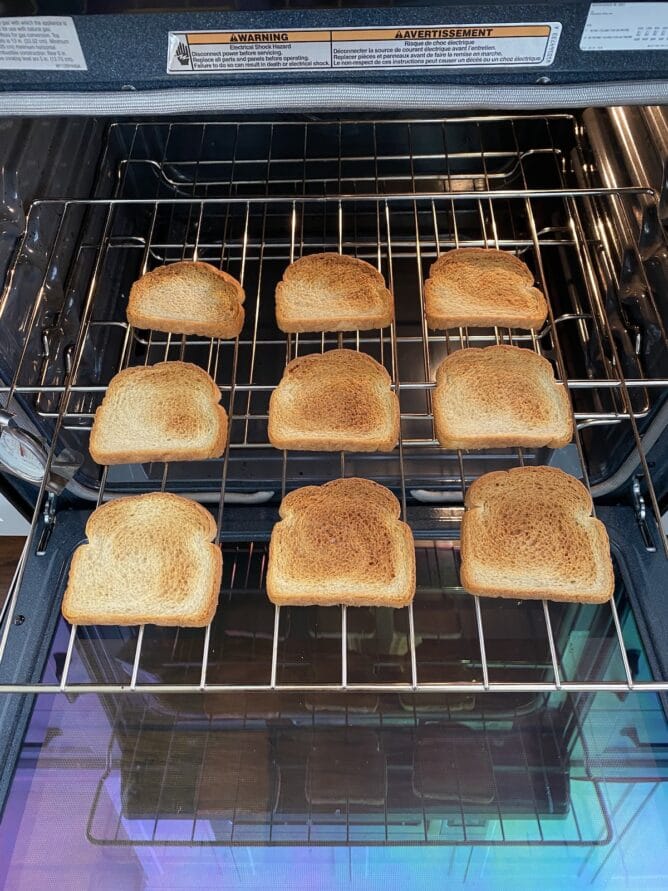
x=268 y=802
x=470 y=660
x=611 y=381
x=144 y=229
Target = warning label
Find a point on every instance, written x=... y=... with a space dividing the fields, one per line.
x=354 y=48
x=625 y=26
x=40 y=43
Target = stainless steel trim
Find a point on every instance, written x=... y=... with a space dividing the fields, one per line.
x=456 y=687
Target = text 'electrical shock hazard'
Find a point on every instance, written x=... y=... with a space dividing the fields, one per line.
x=354 y=48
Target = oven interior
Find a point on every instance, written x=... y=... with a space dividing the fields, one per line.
x=457 y=720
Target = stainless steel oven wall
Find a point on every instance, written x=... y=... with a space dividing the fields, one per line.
x=50 y=158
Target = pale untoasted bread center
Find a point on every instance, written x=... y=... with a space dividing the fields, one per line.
x=355 y=289
x=194 y=297
x=141 y=565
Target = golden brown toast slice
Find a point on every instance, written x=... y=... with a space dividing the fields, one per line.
x=528 y=533
x=149 y=558
x=163 y=412
x=340 y=400
x=332 y=292
x=482 y=288
x=341 y=543
x=498 y=397
x=188 y=297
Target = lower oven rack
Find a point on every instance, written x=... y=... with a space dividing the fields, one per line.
x=110 y=242
x=446 y=642
x=272 y=777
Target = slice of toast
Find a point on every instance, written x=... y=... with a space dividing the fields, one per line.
x=149 y=559
x=340 y=400
x=481 y=288
x=188 y=297
x=341 y=543
x=497 y=397
x=528 y=533
x=163 y=412
x=332 y=292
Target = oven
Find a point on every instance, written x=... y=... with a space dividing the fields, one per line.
x=460 y=740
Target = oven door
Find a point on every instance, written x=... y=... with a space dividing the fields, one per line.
x=246 y=785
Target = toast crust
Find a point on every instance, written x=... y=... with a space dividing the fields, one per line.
x=340 y=400
x=341 y=543
x=149 y=559
x=332 y=292
x=188 y=297
x=479 y=287
x=528 y=534
x=160 y=390
x=498 y=397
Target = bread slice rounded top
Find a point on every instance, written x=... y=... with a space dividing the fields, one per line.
x=163 y=412
x=482 y=287
x=341 y=543
x=484 y=259
x=188 y=297
x=338 y=400
x=500 y=396
x=149 y=559
x=332 y=292
x=528 y=533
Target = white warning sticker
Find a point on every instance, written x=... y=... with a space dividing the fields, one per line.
x=625 y=26
x=444 y=46
x=40 y=43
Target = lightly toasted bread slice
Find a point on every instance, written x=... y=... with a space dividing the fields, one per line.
x=188 y=297
x=149 y=559
x=332 y=292
x=341 y=400
x=341 y=543
x=497 y=397
x=481 y=287
x=163 y=412
x=528 y=533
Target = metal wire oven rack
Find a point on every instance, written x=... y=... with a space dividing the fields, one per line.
x=278 y=786
x=399 y=211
